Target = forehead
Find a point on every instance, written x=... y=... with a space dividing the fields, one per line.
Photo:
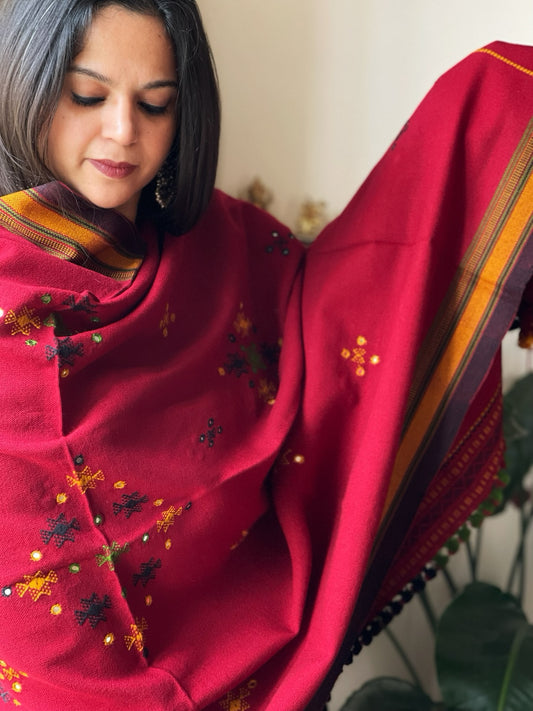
x=122 y=40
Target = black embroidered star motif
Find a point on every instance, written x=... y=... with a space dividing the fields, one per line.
x=82 y=305
x=66 y=350
x=236 y=363
x=131 y=503
x=93 y=610
x=147 y=572
x=60 y=530
x=6 y=698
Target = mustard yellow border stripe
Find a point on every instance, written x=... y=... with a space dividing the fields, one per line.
x=504 y=230
x=505 y=60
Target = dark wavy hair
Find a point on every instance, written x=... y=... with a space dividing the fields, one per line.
x=38 y=41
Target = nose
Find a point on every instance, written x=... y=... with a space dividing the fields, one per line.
x=119 y=122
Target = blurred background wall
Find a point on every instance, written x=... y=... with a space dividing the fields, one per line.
x=313 y=93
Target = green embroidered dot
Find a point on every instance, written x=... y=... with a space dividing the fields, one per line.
x=31 y=342
x=98 y=519
x=50 y=321
x=95 y=319
x=46 y=298
x=146 y=538
x=97 y=338
x=124 y=593
x=74 y=568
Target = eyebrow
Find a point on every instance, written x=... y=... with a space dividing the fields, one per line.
x=157 y=84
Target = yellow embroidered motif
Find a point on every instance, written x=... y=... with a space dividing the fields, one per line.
x=167 y=319
x=167 y=519
x=242 y=324
x=158 y=502
x=359 y=356
x=37 y=585
x=119 y=485
x=267 y=391
x=56 y=610
x=236 y=700
x=85 y=479
x=23 y=321
x=109 y=639
x=61 y=498
x=7 y=673
x=137 y=635
x=36 y=555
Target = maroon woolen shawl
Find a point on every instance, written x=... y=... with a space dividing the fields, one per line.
x=221 y=456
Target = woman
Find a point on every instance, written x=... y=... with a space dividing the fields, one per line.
x=222 y=457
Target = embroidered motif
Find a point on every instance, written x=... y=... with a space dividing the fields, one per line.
x=82 y=305
x=109 y=639
x=36 y=556
x=23 y=322
x=236 y=700
x=60 y=530
x=131 y=503
x=167 y=319
x=37 y=584
x=168 y=517
x=31 y=342
x=7 y=673
x=111 y=554
x=136 y=639
x=7 y=591
x=211 y=433
x=74 y=568
x=93 y=610
x=147 y=572
x=46 y=298
x=267 y=391
x=119 y=485
x=85 y=479
x=4 y=695
x=56 y=610
x=61 y=498
x=97 y=338
x=236 y=364
x=66 y=351
x=280 y=243
x=359 y=356
x=242 y=325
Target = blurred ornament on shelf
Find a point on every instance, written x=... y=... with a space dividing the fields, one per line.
x=258 y=194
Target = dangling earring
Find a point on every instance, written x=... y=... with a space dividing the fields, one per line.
x=165 y=183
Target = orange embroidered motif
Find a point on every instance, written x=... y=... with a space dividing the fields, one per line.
x=7 y=673
x=136 y=639
x=359 y=356
x=85 y=479
x=23 y=321
x=167 y=319
x=242 y=324
x=267 y=391
x=167 y=519
x=236 y=700
x=37 y=585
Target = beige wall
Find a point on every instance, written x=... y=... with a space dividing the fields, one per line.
x=313 y=92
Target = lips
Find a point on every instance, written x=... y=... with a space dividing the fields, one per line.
x=111 y=169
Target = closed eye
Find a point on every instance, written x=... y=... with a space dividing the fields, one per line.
x=86 y=100
x=153 y=109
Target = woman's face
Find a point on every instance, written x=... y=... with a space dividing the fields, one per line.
x=115 y=121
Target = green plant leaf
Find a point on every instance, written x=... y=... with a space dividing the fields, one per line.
x=484 y=652
x=388 y=694
x=518 y=433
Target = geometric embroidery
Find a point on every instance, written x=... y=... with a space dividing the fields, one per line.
x=359 y=356
x=82 y=305
x=147 y=572
x=211 y=433
x=235 y=700
x=168 y=517
x=23 y=321
x=281 y=243
x=130 y=503
x=137 y=635
x=85 y=479
x=112 y=554
x=167 y=319
x=65 y=351
x=93 y=610
x=60 y=530
x=6 y=698
x=37 y=584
